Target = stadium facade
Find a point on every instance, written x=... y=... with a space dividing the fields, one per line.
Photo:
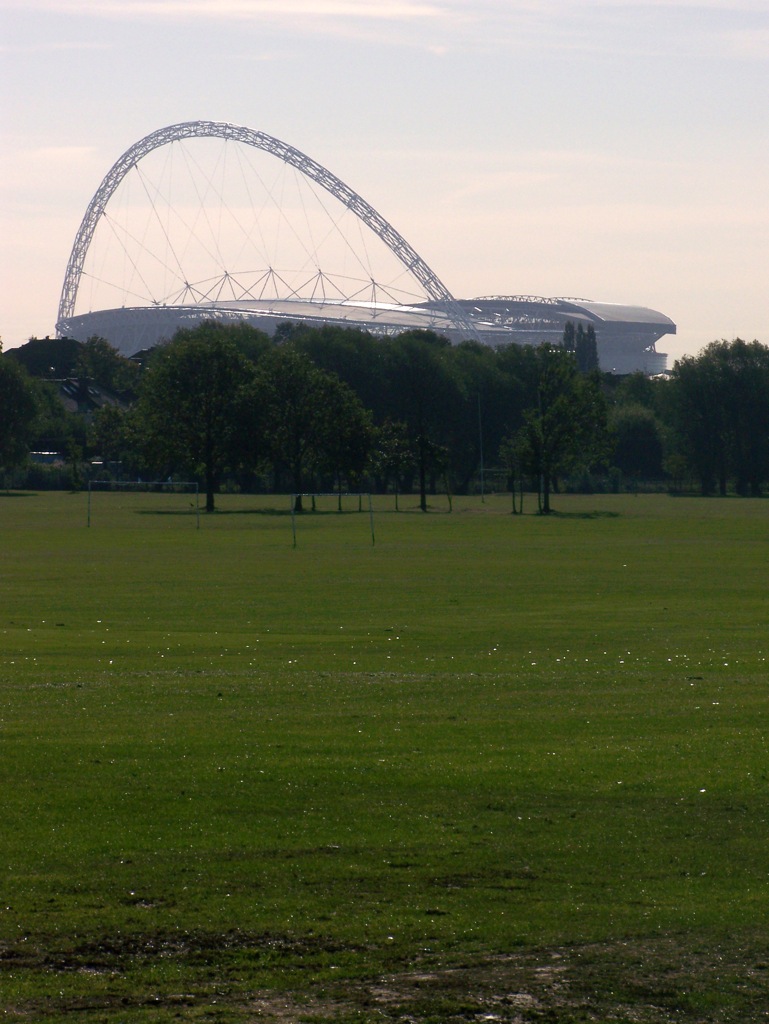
x=626 y=335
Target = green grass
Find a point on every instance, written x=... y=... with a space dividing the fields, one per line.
x=490 y=765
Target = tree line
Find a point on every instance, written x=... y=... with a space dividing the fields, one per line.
x=320 y=408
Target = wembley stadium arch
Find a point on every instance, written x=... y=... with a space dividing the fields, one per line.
x=155 y=256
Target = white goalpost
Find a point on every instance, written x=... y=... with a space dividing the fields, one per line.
x=337 y=496
x=147 y=486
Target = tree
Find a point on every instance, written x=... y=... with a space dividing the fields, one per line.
x=391 y=454
x=569 y=341
x=638 y=389
x=107 y=433
x=99 y=362
x=47 y=358
x=190 y=402
x=55 y=429
x=489 y=409
x=299 y=407
x=247 y=339
x=425 y=394
x=720 y=411
x=586 y=349
x=18 y=409
x=699 y=418
x=746 y=371
x=346 y=433
x=582 y=342
x=637 y=438
x=567 y=426
x=513 y=453
x=354 y=356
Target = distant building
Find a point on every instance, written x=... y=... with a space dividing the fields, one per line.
x=83 y=396
x=626 y=335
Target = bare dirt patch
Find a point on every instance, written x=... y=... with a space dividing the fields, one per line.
x=631 y=982
x=665 y=980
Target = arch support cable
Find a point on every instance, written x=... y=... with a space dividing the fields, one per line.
x=397 y=244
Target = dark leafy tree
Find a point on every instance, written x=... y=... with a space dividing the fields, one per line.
x=424 y=394
x=513 y=452
x=189 y=403
x=56 y=429
x=490 y=408
x=247 y=339
x=567 y=425
x=346 y=433
x=439 y=461
x=520 y=365
x=99 y=362
x=637 y=437
x=586 y=349
x=391 y=455
x=355 y=357
x=746 y=372
x=638 y=389
x=297 y=404
x=108 y=433
x=700 y=420
x=48 y=358
x=18 y=410
x=569 y=336
x=581 y=341
x=720 y=412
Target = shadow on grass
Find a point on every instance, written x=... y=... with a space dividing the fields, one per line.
x=240 y=512
x=166 y=512
x=308 y=513
x=18 y=494
x=595 y=514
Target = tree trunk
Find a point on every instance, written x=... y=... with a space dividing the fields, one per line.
x=298 y=482
x=210 y=489
x=545 y=494
x=422 y=474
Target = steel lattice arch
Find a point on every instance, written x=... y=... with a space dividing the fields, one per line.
x=626 y=335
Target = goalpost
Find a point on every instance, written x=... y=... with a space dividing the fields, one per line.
x=337 y=495
x=147 y=486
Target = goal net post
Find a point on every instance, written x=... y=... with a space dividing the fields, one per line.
x=362 y=499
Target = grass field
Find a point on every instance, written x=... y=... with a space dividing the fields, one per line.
x=491 y=767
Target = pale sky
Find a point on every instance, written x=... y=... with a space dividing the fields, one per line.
x=601 y=149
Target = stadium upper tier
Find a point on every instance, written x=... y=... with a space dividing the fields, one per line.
x=626 y=335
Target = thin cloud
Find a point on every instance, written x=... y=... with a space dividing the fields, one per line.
x=555 y=8
x=749 y=44
x=75 y=46
x=26 y=170
x=65 y=154
x=400 y=10
x=733 y=28
x=437 y=27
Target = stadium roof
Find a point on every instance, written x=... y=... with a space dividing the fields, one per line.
x=626 y=335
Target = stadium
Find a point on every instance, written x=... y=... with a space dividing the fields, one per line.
x=169 y=243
